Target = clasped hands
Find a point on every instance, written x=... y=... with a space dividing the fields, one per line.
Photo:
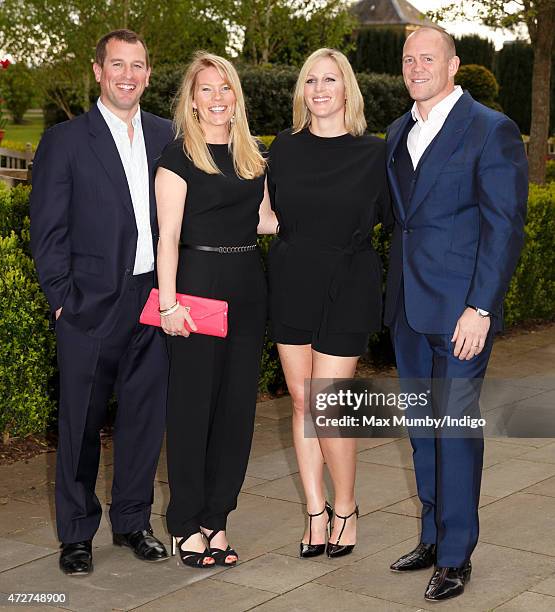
x=470 y=334
x=174 y=324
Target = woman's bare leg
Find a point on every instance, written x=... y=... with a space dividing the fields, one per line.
x=339 y=453
x=296 y=361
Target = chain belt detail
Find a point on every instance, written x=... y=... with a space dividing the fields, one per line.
x=222 y=250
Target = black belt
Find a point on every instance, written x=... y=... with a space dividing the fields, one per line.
x=222 y=250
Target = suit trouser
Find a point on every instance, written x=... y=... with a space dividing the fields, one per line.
x=448 y=468
x=132 y=361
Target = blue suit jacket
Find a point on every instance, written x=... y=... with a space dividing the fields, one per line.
x=459 y=239
x=83 y=229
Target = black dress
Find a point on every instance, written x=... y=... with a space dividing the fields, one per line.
x=325 y=278
x=213 y=381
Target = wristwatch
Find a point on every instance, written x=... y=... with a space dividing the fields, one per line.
x=483 y=313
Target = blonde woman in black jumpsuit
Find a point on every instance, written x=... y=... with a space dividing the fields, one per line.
x=328 y=186
x=210 y=191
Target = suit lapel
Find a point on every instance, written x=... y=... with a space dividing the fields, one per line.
x=107 y=153
x=149 y=135
x=440 y=150
x=393 y=138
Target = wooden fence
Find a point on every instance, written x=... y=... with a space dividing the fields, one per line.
x=15 y=166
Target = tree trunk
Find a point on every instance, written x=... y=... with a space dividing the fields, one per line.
x=266 y=33
x=85 y=101
x=541 y=90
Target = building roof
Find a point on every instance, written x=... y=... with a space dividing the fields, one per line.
x=388 y=12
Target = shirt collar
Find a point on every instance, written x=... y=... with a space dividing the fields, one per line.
x=441 y=109
x=114 y=121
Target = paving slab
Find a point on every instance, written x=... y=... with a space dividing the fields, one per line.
x=313 y=597
x=377 y=487
x=546 y=487
x=521 y=521
x=119 y=581
x=209 y=594
x=547 y=586
x=529 y=601
x=14 y=553
x=544 y=454
x=375 y=531
x=498 y=576
x=395 y=454
x=276 y=464
x=275 y=409
x=274 y=573
x=514 y=475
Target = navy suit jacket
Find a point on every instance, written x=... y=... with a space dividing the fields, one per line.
x=458 y=240
x=83 y=229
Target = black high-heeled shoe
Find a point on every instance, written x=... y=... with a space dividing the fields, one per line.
x=340 y=550
x=219 y=555
x=191 y=558
x=313 y=550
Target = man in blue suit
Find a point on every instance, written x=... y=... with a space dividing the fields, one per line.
x=458 y=178
x=93 y=227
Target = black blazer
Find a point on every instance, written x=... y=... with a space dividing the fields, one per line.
x=83 y=229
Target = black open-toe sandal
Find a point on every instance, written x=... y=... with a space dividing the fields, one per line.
x=220 y=556
x=191 y=558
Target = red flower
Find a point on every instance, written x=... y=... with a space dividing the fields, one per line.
x=5 y=64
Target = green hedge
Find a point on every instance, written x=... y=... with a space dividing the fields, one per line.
x=532 y=291
x=27 y=351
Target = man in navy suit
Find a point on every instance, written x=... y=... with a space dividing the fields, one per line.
x=93 y=227
x=458 y=178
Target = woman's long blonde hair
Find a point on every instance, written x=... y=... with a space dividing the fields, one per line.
x=355 y=122
x=247 y=159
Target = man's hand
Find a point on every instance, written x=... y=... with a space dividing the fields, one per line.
x=58 y=312
x=470 y=334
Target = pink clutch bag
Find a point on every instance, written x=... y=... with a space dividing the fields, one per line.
x=210 y=316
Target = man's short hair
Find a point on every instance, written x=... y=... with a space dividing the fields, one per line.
x=127 y=36
x=448 y=40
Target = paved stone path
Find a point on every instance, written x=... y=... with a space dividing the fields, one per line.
x=514 y=563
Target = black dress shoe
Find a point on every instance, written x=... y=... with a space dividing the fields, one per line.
x=76 y=558
x=422 y=557
x=448 y=582
x=143 y=543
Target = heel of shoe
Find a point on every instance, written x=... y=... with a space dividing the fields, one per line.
x=173 y=546
x=337 y=549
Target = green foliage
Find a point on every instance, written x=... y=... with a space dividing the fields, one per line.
x=268 y=96
x=378 y=50
x=26 y=345
x=473 y=49
x=385 y=99
x=17 y=89
x=532 y=291
x=266 y=140
x=514 y=63
x=481 y=84
x=550 y=171
x=14 y=213
x=287 y=31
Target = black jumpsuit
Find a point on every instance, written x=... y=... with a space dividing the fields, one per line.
x=213 y=381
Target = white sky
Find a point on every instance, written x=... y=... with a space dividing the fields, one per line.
x=458 y=28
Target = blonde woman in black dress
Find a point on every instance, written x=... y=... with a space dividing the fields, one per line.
x=328 y=187
x=210 y=191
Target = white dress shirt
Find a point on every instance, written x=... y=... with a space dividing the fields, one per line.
x=424 y=132
x=135 y=164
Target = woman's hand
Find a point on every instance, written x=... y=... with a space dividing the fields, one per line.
x=174 y=324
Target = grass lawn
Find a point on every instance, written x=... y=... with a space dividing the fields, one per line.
x=30 y=131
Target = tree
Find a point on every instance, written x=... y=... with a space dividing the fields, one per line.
x=286 y=31
x=60 y=36
x=538 y=16
x=16 y=87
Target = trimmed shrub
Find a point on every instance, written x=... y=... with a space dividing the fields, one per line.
x=532 y=291
x=473 y=49
x=378 y=50
x=481 y=84
x=268 y=95
x=14 y=213
x=550 y=171
x=26 y=346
